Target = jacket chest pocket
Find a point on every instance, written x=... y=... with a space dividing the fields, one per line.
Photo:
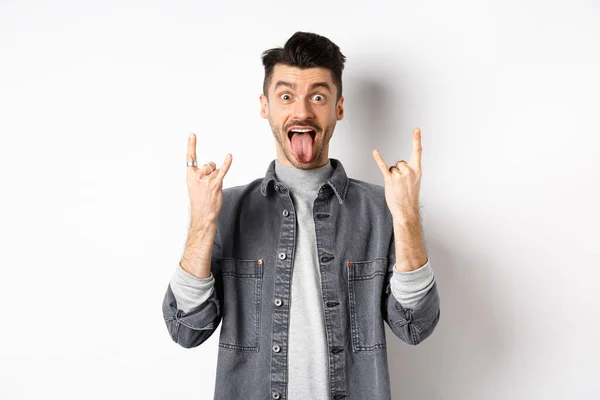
x=242 y=281
x=366 y=281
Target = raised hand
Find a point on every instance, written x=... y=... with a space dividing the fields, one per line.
x=205 y=186
x=403 y=181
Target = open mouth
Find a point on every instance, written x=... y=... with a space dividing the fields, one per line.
x=302 y=141
x=302 y=131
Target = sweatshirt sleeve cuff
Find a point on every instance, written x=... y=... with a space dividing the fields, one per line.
x=190 y=291
x=410 y=287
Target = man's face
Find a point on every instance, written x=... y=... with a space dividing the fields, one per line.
x=302 y=110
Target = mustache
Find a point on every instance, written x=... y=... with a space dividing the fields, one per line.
x=307 y=124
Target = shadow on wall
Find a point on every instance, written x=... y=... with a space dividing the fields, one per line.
x=365 y=125
x=462 y=355
x=379 y=113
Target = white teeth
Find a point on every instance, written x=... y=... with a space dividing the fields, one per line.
x=301 y=130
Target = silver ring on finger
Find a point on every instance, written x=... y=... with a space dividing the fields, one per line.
x=191 y=163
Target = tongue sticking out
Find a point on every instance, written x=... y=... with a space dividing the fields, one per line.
x=302 y=145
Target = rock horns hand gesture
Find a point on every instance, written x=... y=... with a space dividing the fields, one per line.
x=403 y=181
x=205 y=186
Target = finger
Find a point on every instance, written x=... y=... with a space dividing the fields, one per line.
x=205 y=169
x=381 y=163
x=395 y=174
x=208 y=168
x=209 y=176
x=396 y=169
x=417 y=150
x=401 y=166
x=225 y=167
x=191 y=148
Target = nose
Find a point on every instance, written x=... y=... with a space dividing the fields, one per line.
x=302 y=109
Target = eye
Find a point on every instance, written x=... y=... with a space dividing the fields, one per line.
x=285 y=97
x=318 y=97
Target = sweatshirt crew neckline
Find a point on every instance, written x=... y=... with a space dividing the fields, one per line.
x=303 y=180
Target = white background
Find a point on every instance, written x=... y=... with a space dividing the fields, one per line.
x=97 y=99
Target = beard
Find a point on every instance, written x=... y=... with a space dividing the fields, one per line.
x=320 y=143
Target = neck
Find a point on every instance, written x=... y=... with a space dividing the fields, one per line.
x=304 y=180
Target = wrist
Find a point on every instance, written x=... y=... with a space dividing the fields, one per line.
x=202 y=226
x=405 y=216
x=407 y=223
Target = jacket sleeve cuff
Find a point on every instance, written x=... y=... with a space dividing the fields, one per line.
x=190 y=291
x=411 y=287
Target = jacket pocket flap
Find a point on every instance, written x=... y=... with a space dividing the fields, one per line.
x=359 y=270
x=242 y=268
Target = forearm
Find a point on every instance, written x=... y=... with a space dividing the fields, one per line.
x=191 y=307
x=409 y=243
x=198 y=249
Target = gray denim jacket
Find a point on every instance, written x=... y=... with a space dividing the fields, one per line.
x=252 y=266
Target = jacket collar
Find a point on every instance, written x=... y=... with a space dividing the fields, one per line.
x=338 y=182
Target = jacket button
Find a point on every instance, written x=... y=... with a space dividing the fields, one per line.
x=276 y=349
x=275 y=395
x=278 y=302
x=286 y=213
x=281 y=256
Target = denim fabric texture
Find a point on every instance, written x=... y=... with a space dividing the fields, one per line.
x=252 y=264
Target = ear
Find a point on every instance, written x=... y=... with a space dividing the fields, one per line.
x=340 y=108
x=264 y=106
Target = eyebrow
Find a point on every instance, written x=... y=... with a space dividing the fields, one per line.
x=312 y=87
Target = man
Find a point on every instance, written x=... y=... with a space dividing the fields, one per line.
x=303 y=266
